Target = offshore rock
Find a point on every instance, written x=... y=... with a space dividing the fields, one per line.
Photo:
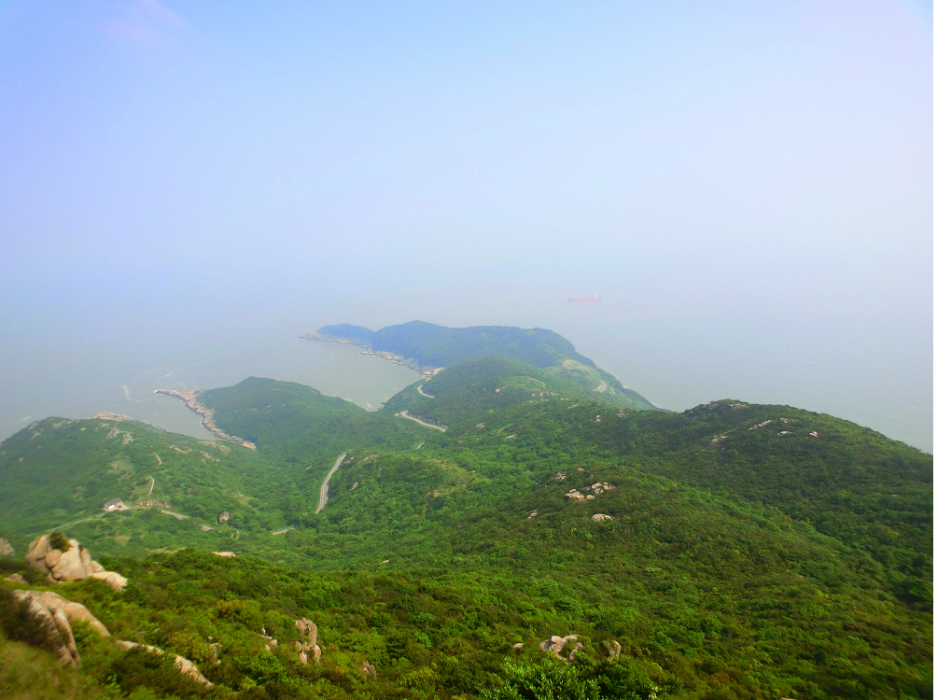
x=56 y=614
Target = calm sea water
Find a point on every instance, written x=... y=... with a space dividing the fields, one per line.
x=126 y=386
x=877 y=376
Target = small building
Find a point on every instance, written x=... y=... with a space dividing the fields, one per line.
x=115 y=504
x=223 y=517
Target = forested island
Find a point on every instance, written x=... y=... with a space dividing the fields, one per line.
x=428 y=348
x=550 y=542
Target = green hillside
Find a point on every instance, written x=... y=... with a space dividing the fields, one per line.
x=472 y=388
x=732 y=551
x=433 y=346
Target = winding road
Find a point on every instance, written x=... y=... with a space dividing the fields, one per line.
x=323 y=497
x=405 y=414
x=420 y=391
x=602 y=387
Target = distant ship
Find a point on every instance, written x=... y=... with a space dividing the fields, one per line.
x=595 y=297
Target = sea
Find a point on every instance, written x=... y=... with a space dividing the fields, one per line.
x=127 y=385
x=878 y=376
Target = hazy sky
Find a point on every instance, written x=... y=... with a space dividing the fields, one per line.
x=759 y=172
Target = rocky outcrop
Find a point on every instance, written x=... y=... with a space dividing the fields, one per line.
x=193 y=403
x=601 y=517
x=56 y=614
x=227 y=555
x=184 y=666
x=111 y=578
x=6 y=549
x=66 y=560
x=310 y=629
x=596 y=489
x=16 y=578
x=368 y=669
x=555 y=645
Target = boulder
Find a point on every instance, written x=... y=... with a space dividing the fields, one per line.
x=16 y=578
x=68 y=561
x=112 y=578
x=184 y=666
x=555 y=645
x=310 y=629
x=67 y=566
x=601 y=517
x=6 y=549
x=228 y=555
x=36 y=552
x=56 y=614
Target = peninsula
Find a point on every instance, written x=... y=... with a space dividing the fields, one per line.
x=429 y=348
x=207 y=414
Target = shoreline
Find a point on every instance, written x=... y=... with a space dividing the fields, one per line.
x=207 y=415
x=425 y=370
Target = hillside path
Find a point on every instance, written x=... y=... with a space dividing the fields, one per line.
x=323 y=497
x=405 y=414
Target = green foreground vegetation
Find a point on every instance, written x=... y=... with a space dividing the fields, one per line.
x=732 y=551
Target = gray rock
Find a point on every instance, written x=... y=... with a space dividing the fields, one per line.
x=310 y=629
x=112 y=578
x=555 y=645
x=6 y=549
x=73 y=564
x=57 y=614
x=35 y=554
x=184 y=666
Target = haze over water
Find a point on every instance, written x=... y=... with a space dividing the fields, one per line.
x=748 y=187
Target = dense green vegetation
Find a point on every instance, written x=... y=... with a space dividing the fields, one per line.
x=740 y=551
x=430 y=345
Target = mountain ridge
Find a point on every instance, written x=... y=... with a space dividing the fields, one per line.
x=733 y=550
x=428 y=347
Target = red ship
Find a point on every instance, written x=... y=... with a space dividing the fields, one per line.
x=595 y=297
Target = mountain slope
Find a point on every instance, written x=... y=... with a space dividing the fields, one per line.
x=733 y=550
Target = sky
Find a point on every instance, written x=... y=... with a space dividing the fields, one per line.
x=747 y=185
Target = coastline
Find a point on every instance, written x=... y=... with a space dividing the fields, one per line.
x=425 y=370
x=207 y=415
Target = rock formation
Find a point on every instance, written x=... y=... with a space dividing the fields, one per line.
x=613 y=649
x=310 y=629
x=66 y=560
x=368 y=669
x=601 y=517
x=16 y=578
x=6 y=549
x=184 y=666
x=555 y=645
x=56 y=614
x=228 y=555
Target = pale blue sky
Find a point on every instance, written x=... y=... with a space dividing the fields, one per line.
x=173 y=170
